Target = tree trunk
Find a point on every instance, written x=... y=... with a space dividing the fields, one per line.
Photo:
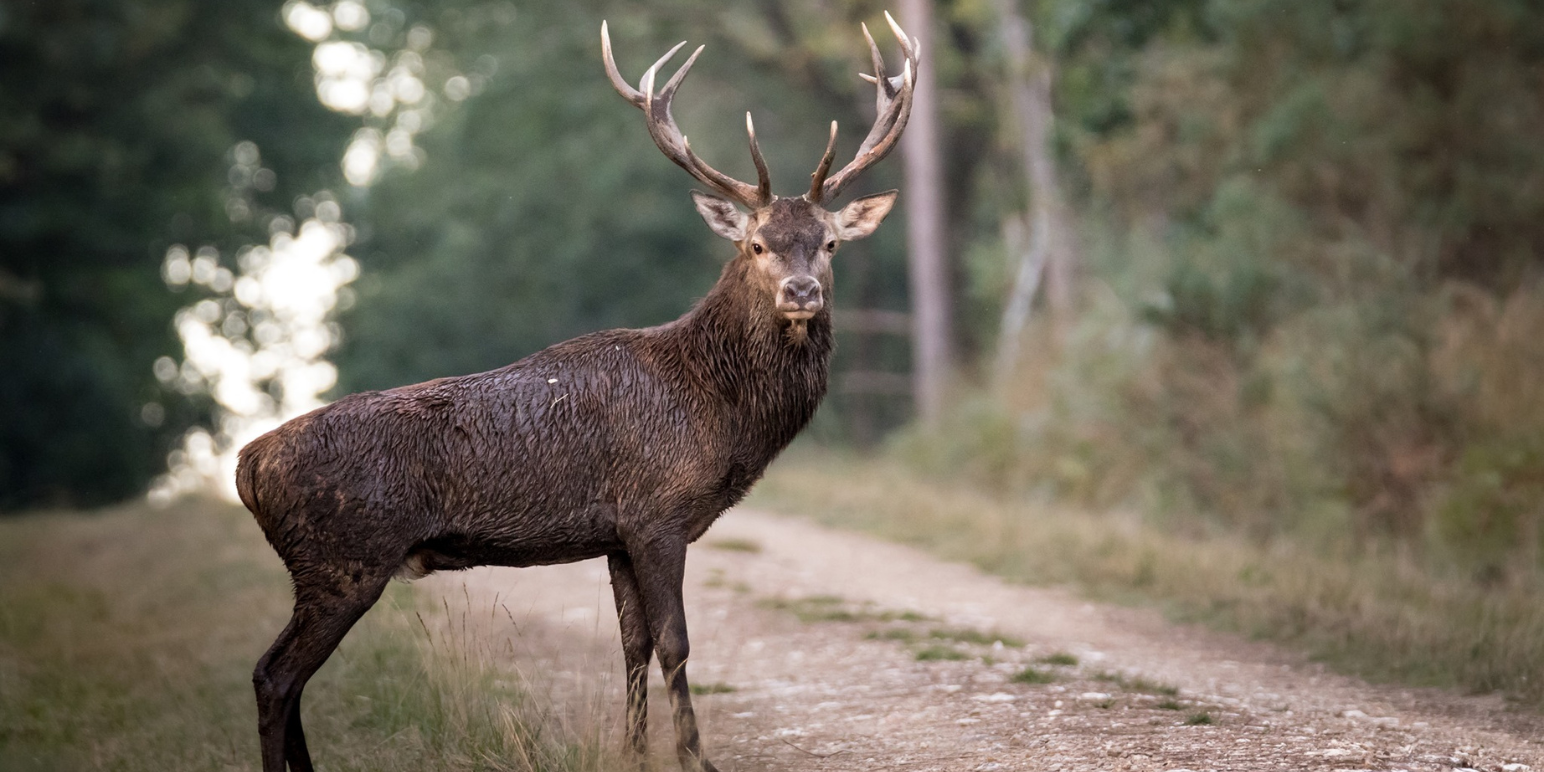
x=1026 y=281
x=932 y=339
x=1049 y=252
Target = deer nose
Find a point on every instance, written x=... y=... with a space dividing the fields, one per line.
x=800 y=295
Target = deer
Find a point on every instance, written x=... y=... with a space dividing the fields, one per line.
x=624 y=444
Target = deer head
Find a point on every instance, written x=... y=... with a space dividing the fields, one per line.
x=788 y=242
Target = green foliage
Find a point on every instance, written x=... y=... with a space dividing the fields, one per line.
x=1306 y=288
x=1493 y=510
x=116 y=124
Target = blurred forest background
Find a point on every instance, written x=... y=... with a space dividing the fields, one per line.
x=1291 y=251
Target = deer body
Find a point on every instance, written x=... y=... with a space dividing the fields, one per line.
x=626 y=444
x=558 y=457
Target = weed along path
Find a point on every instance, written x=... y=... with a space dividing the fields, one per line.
x=819 y=649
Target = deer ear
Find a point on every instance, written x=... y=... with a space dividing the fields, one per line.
x=862 y=216
x=723 y=217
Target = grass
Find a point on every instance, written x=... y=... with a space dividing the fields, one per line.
x=1060 y=658
x=128 y=637
x=1199 y=719
x=1376 y=615
x=965 y=635
x=712 y=688
x=1030 y=675
x=1137 y=684
x=816 y=608
x=1169 y=704
x=940 y=653
x=832 y=608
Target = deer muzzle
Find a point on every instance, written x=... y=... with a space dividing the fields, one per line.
x=799 y=297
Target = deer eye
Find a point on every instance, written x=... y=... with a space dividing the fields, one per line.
x=756 y=248
x=830 y=246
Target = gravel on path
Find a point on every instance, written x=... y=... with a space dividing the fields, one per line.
x=821 y=649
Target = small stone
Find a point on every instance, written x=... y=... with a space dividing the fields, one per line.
x=997 y=697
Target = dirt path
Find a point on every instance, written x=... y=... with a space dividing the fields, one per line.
x=833 y=651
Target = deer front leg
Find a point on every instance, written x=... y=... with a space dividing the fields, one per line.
x=637 y=650
x=659 y=566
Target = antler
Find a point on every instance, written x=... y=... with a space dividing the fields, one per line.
x=892 y=103
x=668 y=136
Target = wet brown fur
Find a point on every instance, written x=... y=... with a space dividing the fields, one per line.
x=625 y=443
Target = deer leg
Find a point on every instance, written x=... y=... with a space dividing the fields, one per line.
x=295 y=751
x=322 y=617
x=637 y=650
x=659 y=567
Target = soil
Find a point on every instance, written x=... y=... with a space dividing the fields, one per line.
x=826 y=650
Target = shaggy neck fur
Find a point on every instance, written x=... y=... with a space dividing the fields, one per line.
x=772 y=376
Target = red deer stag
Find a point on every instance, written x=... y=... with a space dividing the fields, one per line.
x=626 y=444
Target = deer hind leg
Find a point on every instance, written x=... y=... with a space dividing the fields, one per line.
x=659 y=567
x=295 y=751
x=324 y=612
x=637 y=650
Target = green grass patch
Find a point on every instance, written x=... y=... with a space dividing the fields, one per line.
x=712 y=688
x=832 y=608
x=1030 y=675
x=1137 y=684
x=1060 y=659
x=1361 y=611
x=940 y=654
x=1169 y=704
x=817 y=608
x=1143 y=685
x=892 y=634
x=976 y=636
x=1199 y=719
x=128 y=638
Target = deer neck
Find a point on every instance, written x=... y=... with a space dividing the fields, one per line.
x=771 y=375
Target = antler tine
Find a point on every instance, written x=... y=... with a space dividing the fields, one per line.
x=667 y=135
x=617 y=82
x=763 y=177
x=818 y=177
x=680 y=75
x=879 y=71
x=893 y=107
x=910 y=46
